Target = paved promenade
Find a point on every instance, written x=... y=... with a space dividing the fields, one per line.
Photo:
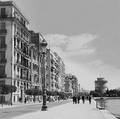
x=70 y=111
x=19 y=104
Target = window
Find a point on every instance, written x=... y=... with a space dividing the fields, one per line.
x=14 y=68
x=2 y=82
x=52 y=85
x=14 y=83
x=14 y=41
x=2 y=40
x=29 y=52
x=3 y=25
x=15 y=28
x=2 y=55
x=18 y=58
x=21 y=20
x=3 y=11
x=2 y=69
x=18 y=31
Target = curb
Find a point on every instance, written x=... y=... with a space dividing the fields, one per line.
x=107 y=114
x=18 y=105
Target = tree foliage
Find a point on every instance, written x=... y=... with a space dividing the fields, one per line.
x=108 y=93
x=29 y=92
x=33 y=92
x=6 y=89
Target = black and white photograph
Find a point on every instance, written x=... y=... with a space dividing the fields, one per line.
x=59 y=59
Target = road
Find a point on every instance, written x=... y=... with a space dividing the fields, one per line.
x=10 y=112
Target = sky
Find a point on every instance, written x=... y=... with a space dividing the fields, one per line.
x=84 y=33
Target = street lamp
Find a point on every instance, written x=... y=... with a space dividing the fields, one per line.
x=43 y=48
x=11 y=83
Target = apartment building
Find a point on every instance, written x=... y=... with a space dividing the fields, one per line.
x=48 y=70
x=52 y=70
x=34 y=66
x=15 y=51
x=21 y=57
x=75 y=84
x=68 y=83
x=61 y=75
x=36 y=39
x=71 y=84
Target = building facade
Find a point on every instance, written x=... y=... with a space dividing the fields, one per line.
x=52 y=71
x=71 y=84
x=19 y=59
x=14 y=34
x=61 y=75
x=68 y=83
x=75 y=85
x=36 y=39
x=34 y=66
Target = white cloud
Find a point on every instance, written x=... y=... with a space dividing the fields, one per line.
x=71 y=49
x=96 y=64
x=55 y=39
x=85 y=56
x=71 y=46
x=80 y=52
x=79 y=42
x=59 y=51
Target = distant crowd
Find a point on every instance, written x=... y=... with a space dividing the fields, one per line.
x=77 y=98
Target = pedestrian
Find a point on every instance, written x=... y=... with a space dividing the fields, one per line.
x=78 y=99
x=73 y=99
x=25 y=100
x=83 y=99
x=20 y=99
x=89 y=99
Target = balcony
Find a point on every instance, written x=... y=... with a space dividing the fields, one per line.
x=3 y=46
x=3 y=61
x=3 y=31
x=3 y=75
x=15 y=46
x=3 y=16
x=22 y=22
x=17 y=76
x=17 y=34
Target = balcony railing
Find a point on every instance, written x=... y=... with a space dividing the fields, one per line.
x=3 y=31
x=3 y=75
x=3 y=46
x=3 y=16
x=20 y=21
x=3 y=60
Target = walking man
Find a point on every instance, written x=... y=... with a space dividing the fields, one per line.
x=83 y=99
x=89 y=99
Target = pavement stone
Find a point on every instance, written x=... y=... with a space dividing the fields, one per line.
x=19 y=104
x=69 y=111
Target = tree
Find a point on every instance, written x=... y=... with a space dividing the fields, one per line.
x=62 y=95
x=56 y=93
x=6 y=89
x=33 y=92
x=95 y=93
x=29 y=92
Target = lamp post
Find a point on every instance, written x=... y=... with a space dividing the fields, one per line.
x=11 y=82
x=43 y=48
